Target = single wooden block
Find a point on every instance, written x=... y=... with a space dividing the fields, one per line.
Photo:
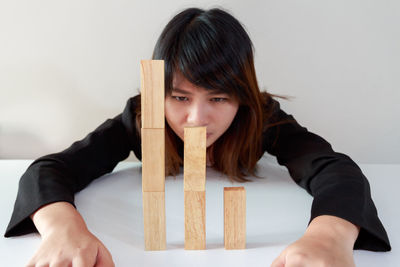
x=194 y=168
x=154 y=220
x=234 y=217
x=195 y=220
x=153 y=160
x=152 y=93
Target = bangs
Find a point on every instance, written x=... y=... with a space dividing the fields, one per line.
x=209 y=51
x=203 y=60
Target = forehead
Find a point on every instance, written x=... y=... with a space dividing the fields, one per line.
x=179 y=80
x=181 y=85
x=197 y=90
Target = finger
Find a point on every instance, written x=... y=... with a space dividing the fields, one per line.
x=34 y=261
x=60 y=263
x=280 y=260
x=33 y=264
x=104 y=258
x=84 y=261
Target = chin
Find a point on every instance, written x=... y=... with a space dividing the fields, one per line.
x=208 y=144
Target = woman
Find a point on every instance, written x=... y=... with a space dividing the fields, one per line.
x=210 y=81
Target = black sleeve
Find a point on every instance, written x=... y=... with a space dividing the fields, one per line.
x=334 y=180
x=57 y=177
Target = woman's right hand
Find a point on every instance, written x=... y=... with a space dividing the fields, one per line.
x=66 y=241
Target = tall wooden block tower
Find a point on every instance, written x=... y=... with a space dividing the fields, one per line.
x=153 y=153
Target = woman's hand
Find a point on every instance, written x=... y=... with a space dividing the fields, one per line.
x=70 y=247
x=66 y=241
x=328 y=241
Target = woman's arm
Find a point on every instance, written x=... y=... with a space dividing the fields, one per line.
x=45 y=199
x=57 y=177
x=335 y=181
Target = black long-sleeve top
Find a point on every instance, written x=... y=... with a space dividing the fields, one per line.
x=334 y=180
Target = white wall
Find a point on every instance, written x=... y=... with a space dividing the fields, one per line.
x=66 y=66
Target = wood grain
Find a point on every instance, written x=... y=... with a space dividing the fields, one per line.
x=153 y=160
x=195 y=220
x=152 y=93
x=234 y=217
x=154 y=220
x=194 y=169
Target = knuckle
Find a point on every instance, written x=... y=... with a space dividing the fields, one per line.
x=298 y=258
x=83 y=251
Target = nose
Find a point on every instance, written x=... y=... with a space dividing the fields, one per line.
x=197 y=115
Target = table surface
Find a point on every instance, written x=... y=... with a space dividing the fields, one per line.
x=277 y=214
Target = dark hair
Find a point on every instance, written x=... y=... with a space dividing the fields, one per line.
x=211 y=49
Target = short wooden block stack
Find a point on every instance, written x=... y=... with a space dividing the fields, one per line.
x=153 y=153
x=234 y=217
x=194 y=172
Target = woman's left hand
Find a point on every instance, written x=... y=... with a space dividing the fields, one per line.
x=328 y=241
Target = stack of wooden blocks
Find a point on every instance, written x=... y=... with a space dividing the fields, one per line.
x=153 y=153
x=153 y=174
x=194 y=186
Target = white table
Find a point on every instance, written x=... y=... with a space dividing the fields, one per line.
x=277 y=214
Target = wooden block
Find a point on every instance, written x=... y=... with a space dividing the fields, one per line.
x=154 y=220
x=152 y=93
x=234 y=217
x=153 y=160
x=195 y=220
x=194 y=169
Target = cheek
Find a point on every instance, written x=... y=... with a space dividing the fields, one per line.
x=173 y=115
x=170 y=110
x=227 y=115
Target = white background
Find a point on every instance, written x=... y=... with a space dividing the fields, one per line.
x=66 y=66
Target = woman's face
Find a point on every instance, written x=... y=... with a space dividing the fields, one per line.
x=189 y=105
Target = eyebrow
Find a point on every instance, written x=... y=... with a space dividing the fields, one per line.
x=210 y=92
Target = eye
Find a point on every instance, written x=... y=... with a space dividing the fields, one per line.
x=219 y=99
x=180 y=98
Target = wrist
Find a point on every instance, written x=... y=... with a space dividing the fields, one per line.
x=56 y=217
x=335 y=229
